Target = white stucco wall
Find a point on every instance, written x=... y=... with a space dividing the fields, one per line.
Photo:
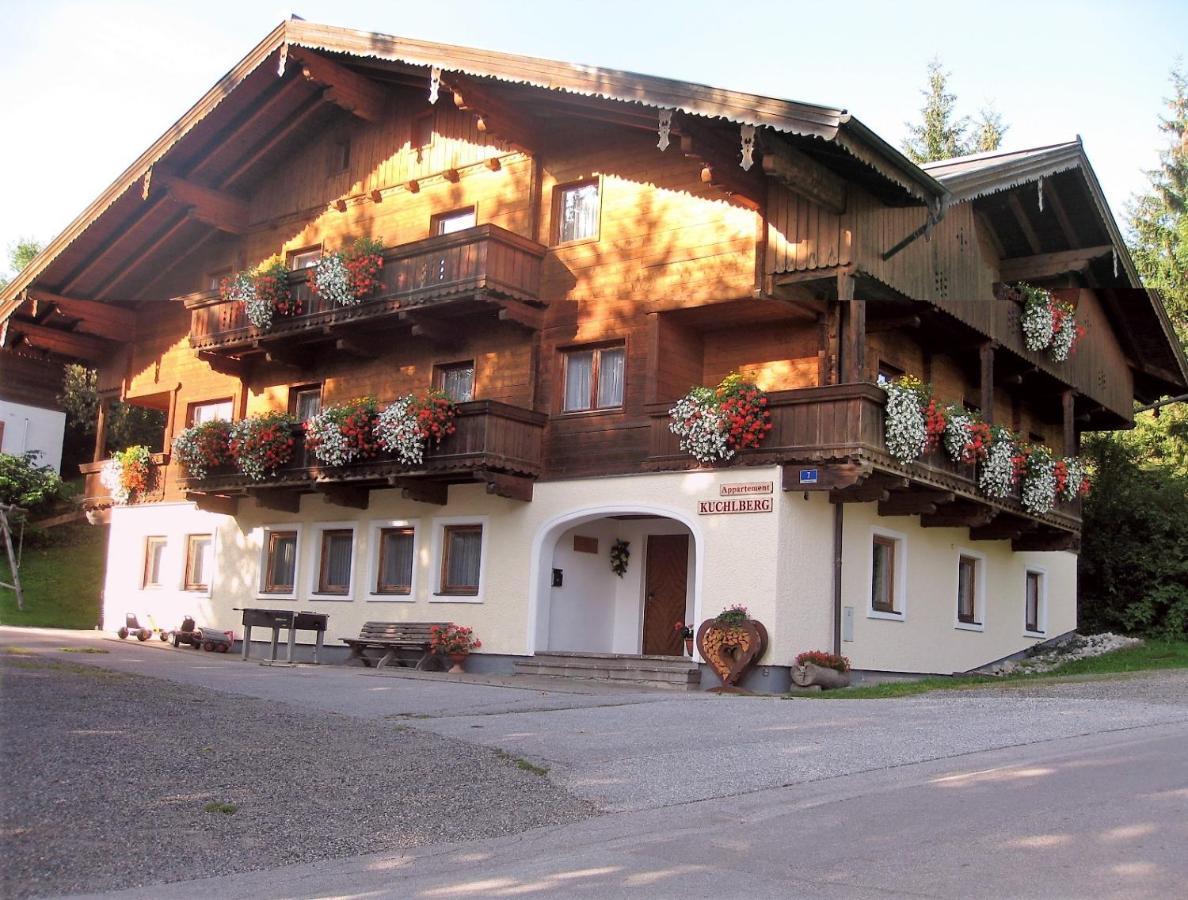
x=32 y=428
x=927 y=636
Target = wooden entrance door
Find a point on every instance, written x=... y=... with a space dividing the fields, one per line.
x=666 y=582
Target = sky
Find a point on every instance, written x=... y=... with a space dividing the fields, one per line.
x=88 y=86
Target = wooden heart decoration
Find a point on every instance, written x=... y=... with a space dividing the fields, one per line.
x=731 y=649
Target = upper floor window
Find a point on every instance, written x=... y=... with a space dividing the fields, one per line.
x=215 y=279
x=208 y=411
x=887 y=373
x=305 y=402
x=456 y=381
x=305 y=258
x=340 y=155
x=458 y=220
x=577 y=211
x=594 y=378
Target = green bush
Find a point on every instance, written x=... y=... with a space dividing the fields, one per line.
x=24 y=483
x=1133 y=568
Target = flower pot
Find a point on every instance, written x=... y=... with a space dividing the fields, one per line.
x=689 y=646
x=810 y=674
x=458 y=660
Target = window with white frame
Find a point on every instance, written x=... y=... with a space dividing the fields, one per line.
x=887 y=575
x=154 y=561
x=455 y=380
x=199 y=559
x=594 y=378
x=305 y=258
x=335 y=560
x=395 y=560
x=208 y=411
x=967 y=590
x=1035 y=614
x=456 y=220
x=461 y=558
x=279 y=563
x=577 y=210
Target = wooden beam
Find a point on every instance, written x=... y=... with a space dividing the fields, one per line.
x=100 y=319
x=516 y=313
x=1047 y=541
x=274 y=140
x=853 y=336
x=63 y=343
x=879 y=326
x=215 y=503
x=1056 y=204
x=218 y=209
x=726 y=176
x=1068 y=406
x=175 y=259
x=804 y=176
x=1049 y=265
x=355 y=93
x=225 y=365
x=964 y=513
x=1003 y=528
x=914 y=503
x=431 y=329
x=282 y=500
x=435 y=492
x=1023 y=222
x=350 y=495
x=513 y=487
x=822 y=476
x=144 y=253
x=351 y=348
x=986 y=380
x=877 y=487
x=495 y=116
x=137 y=226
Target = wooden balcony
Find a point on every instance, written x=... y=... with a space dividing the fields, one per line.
x=493 y=443
x=485 y=265
x=831 y=439
x=96 y=499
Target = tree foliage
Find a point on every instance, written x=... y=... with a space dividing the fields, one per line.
x=20 y=254
x=25 y=483
x=127 y=425
x=941 y=133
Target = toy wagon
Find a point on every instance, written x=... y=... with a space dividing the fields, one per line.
x=209 y=639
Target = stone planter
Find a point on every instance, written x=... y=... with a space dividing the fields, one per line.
x=731 y=649
x=811 y=674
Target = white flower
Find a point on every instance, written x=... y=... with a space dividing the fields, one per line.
x=1076 y=476
x=997 y=475
x=1063 y=340
x=111 y=477
x=701 y=426
x=1039 y=484
x=324 y=436
x=332 y=280
x=398 y=430
x=906 y=429
x=1037 y=320
x=957 y=435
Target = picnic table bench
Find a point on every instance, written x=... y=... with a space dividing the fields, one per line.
x=391 y=638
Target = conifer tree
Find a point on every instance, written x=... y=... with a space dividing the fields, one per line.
x=941 y=133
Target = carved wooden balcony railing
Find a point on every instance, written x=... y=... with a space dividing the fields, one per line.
x=835 y=433
x=493 y=442
x=485 y=263
x=97 y=497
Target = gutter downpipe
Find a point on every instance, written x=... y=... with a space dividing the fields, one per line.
x=838 y=513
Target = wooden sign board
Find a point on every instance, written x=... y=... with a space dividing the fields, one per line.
x=745 y=488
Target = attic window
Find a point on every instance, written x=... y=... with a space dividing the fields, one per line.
x=340 y=156
x=422 y=130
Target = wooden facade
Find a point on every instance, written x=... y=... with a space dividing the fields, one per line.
x=828 y=257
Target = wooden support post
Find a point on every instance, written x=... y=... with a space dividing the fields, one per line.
x=100 y=452
x=986 y=355
x=1068 y=403
x=853 y=336
x=435 y=492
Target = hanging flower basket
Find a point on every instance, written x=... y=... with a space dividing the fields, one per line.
x=262 y=444
x=966 y=436
x=1072 y=478
x=407 y=426
x=348 y=276
x=1048 y=324
x=1037 y=473
x=341 y=434
x=715 y=423
x=906 y=427
x=264 y=292
x=126 y=474
x=201 y=448
x=996 y=475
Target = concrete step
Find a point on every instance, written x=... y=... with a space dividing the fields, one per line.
x=654 y=671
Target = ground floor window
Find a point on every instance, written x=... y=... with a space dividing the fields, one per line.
x=1033 y=614
x=154 y=561
x=967 y=590
x=334 y=567
x=280 y=562
x=198 y=562
x=882 y=596
x=395 y=570
x=462 y=547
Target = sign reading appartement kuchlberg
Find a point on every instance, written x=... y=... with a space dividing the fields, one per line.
x=739 y=497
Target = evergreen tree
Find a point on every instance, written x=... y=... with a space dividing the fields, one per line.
x=20 y=254
x=942 y=134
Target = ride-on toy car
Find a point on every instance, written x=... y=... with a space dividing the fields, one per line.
x=209 y=639
x=132 y=626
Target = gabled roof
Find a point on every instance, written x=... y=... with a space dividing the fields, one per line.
x=968 y=177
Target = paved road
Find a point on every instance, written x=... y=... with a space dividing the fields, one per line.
x=1066 y=792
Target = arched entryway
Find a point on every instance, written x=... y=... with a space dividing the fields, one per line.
x=581 y=605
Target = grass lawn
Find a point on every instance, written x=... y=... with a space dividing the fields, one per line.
x=1152 y=654
x=62 y=583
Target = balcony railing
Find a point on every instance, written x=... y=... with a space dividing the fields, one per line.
x=97 y=496
x=484 y=260
x=489 y=437
x=838 y=424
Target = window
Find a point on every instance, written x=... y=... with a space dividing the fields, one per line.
x=887 y=373
x=305 y=402
x=459 y=219
x=395 y=570
x=461 y=559
x=214 y=279
x=967 y=590
x=208 y=411
x=1033 y=613
x=422 y=130
x=340 y=155
x=280 y=562
x=456 y=381
x=334 y=569
x=882 y=597
x=154 y=559
x=305 y=258
x=593 y=379
x=576 y=212
x=198 y=562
